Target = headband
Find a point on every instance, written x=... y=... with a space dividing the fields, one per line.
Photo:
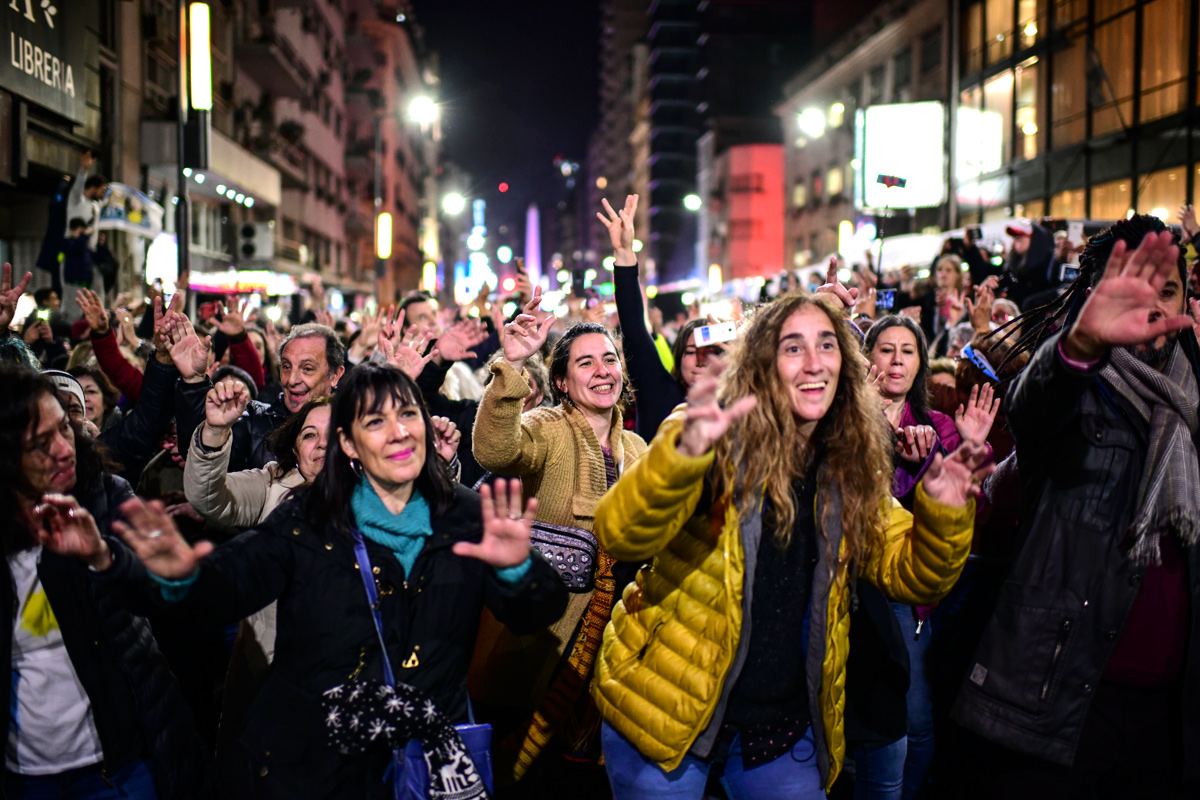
x=979 y=360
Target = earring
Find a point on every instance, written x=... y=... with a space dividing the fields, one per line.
x=356 y=467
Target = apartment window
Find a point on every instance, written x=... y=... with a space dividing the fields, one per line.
x=1112 y=200
x=902 y=75
x=1165 y=28
x=1068 y=95
x=998 y=32
x=1115 y=45
x=972 y=48
x=1109 y=8
x=834 y=181
x=1068 y=11
x=1163 y=191
x=997 y=100
x=800 y=194
x=1029 y=113
x=875 y=80
x=817 y=182
x=749 y=182
x=745 y=228
x=1030 y=209
x=1069 y=204
x=931 y=49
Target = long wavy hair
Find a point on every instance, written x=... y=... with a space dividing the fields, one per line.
x=366 y=389
x=850 y=442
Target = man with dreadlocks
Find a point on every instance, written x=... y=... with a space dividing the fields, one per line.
x=1077 y=683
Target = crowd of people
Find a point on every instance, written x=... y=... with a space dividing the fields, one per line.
x=836 y=551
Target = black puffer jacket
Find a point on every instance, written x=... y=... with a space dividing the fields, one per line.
x=250 y=432
x=326 y=633
x=1080 y=455
x=136 y=702
x=133 y=439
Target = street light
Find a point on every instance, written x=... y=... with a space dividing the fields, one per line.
x=422 y=110
x=383 y=236
x=454 y=203
x=692 y=202
x=200 y=62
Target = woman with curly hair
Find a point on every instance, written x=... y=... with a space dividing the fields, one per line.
x=759 y=506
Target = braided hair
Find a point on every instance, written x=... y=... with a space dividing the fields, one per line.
x=1038 y=324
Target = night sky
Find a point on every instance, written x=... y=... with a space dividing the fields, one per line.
x=519 y=86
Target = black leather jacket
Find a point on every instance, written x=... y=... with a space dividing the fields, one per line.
x=1080 y=455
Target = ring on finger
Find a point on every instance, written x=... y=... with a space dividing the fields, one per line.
x=154 y=534
x=515 y=516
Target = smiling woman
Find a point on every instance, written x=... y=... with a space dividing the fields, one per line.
x=568 y=455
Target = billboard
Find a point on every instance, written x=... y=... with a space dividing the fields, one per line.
x=904 y=140
x=49 y=51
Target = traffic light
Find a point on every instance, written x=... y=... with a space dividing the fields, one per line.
x=256 y=241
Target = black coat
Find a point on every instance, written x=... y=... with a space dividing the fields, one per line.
x=460 y=412
x=326 y=632
x=1080 y=455
x=136 y=703
x=133 y=439
x=655 y=388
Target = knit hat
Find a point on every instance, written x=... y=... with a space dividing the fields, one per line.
x=66 y=382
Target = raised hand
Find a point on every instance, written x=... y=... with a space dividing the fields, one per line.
x=952 y=303
x=974 y=422
x=506 y=531
x=233 y=322
x=953 y=480
x=1121 y=310
x=1187 y=221
x=524 y=285
x=1194 y=309
x=93 y=311
x=446 y=437
x=151 y=534
x=526 y=334
x=408 y=355
x=620 y=229
x=224 y=403
x=706 y=421
x=912 y=312
x=189 y=352
x=69 y=530
x=456 y=343
x=915 y=443
x=368 y=337
x=980 y=309
x=162 y=322
x=38 y=329
x=846 y=297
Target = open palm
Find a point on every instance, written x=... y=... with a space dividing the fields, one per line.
x=706 y=420
x=1121 y=310
x=954 y=479
x=526 y=334
x=974 y=421
x=188 y=350
x=507 y=531
x=151 y=534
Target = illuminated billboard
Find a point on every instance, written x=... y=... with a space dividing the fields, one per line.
x=979 y=142
x=904 y=140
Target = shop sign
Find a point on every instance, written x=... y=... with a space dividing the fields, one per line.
x=46 y=59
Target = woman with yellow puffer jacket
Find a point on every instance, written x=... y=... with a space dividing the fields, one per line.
x=760 y=504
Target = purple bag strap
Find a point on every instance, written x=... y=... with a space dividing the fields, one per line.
x=364 y=570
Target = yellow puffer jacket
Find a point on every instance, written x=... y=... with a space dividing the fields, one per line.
x=672 y=639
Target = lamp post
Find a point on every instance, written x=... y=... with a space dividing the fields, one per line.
x=195 y=72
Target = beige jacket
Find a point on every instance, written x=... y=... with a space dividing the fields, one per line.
x=556 y=454
x=242 y=499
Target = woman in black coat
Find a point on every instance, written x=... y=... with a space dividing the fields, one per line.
x=92 y=705
x=438 y=555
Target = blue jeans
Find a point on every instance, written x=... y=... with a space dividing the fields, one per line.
x=879 y=773
x=920 y=701
x=133 y=781
x=792 y=776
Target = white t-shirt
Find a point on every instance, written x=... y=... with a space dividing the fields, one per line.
x=51 y=728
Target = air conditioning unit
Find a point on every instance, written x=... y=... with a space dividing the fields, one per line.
x=256 y=241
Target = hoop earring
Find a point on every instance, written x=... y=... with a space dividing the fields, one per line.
x=356 y=468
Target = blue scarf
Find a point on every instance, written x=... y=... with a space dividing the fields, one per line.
x=404 y=533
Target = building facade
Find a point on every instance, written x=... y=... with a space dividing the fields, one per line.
x=898 y=54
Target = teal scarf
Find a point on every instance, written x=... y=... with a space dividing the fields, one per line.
x=404 y=533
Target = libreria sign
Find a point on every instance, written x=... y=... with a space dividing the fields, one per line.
x=48 y=52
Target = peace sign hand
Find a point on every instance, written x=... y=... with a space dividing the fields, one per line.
x=706 y=421
x=620 y=229
x=506 y=531
x=526 y=334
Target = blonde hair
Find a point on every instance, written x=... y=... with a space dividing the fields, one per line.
x=851 y=438
x=957 y=263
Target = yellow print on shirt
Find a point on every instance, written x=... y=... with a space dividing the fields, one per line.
x=38 y=617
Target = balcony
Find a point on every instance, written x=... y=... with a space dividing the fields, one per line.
x=286 y=156
x=271 y=61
